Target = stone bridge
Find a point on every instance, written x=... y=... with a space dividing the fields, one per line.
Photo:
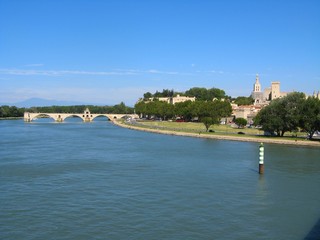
x=86 y=116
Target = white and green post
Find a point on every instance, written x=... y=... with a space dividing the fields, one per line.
x=261 y=158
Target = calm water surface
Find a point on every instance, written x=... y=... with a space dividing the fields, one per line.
x=77 y=180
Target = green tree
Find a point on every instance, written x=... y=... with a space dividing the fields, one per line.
x=269 y=118
x=183 y=109
x=119 y=108
x=161 y=109
x=167 y=93
x=11 y=111
x=211 y=112
x=222 y=108
x=310 y=116
x=216 y=93
x=147 y=96
x=203 y=94
x=164 y=93
x=244 y=100
x=291 y=105
x=208 y=121
x=4 y=111
x=140 y=108
x=281 y=115
x=157 y=94
x=241 y=122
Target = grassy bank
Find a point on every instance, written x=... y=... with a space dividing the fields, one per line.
x=223 y=132
x=217 y=129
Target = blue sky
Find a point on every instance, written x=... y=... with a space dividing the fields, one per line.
x=105 y=52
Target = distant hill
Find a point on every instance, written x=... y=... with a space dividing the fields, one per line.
x=40 y=102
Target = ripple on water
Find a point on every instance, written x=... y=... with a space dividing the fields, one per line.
x=83 y=181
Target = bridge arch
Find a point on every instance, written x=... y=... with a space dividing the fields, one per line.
x=100 y=115
x=74 y=115
x=42 y=115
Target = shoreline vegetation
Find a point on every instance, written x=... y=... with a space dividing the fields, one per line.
x=10 y=118
x=218 y=132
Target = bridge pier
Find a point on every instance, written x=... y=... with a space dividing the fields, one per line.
x=26 y=117
x=59 y=119
x=87 y=119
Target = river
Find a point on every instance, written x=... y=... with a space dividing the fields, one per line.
x=77 y=180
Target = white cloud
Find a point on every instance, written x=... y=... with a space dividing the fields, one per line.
x=34 y=65
x=161 y=72
x=211 y=71
x=33 y=72
x=28 y=72
x=151 y=71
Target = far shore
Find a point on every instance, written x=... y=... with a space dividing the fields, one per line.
x=258 y=139
x=11 y=118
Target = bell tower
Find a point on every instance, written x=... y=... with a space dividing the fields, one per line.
x=256 y=94
x=257 y=85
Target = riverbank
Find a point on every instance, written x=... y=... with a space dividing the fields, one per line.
x=11 y=118
x=229 y=137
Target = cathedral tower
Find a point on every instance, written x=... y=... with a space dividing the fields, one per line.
x=257 y=85
x=256 y=94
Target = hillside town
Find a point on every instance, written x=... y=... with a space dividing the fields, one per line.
x=261 y=99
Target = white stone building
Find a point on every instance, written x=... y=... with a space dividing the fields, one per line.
x=174 y=100
x=247 y=112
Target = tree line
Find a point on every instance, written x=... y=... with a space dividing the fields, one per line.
x=290 y=114
x=12 y=111
x=208 y=112
x=201 y=94
x=209 y=107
